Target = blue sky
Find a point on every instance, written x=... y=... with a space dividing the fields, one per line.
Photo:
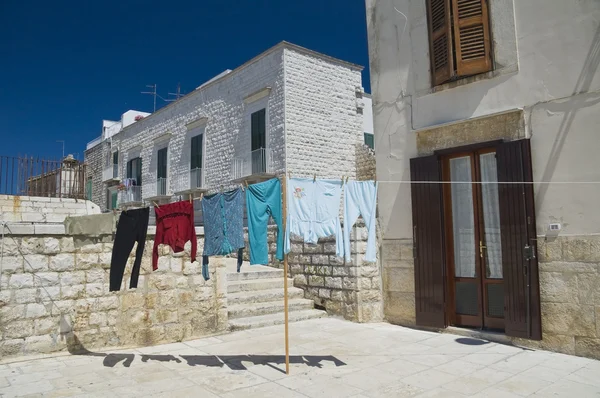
x=66 y=65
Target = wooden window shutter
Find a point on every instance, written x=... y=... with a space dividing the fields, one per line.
x=471 y=37
x=440 y=40
x=518 y=230
x=428 y=244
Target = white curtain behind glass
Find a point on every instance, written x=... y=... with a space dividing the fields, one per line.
x=462 y=218
x=491 y=215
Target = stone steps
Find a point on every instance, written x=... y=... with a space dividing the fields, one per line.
x=251 y=275
x=255 y=298
x=256 y=284
x=274 y=319
x=266 y=308
x=261 y=296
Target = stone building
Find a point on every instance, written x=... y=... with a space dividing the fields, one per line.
x=499 y=98
x=288 y=109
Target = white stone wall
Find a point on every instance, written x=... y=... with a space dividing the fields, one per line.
x=227 y=130
x=322 y=123
x=23 y=211
x=54 y=296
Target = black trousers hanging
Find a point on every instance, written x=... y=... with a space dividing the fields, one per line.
x=132 y=227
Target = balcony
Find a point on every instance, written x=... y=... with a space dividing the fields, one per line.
x=110 y=173
x=157 y=190
x=130 y=196
x=190 y=182
x=254 y=166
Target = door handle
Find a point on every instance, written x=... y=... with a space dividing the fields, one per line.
x=481 y=248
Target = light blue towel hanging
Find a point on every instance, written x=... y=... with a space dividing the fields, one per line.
x=360 y=198
x=313 y=211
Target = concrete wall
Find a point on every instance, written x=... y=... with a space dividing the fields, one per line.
x=547 y=54
x=54 y=296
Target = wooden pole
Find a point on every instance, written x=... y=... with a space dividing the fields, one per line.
x=285 y=280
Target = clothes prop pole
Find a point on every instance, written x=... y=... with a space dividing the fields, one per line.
x=285 y=281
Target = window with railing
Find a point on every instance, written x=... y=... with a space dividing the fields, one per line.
x=134 y=170
x=161 y=172
x=196 y=162
x=258 y=131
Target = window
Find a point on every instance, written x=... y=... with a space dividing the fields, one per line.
x=258 y=128
x=111 y=198
x=88 y=189
x=370 y=140
x=161 y=164
x=459 y=39
x=196 y=153
x=161 y=172
x=259 y=140
x=134 y=170
x=115 y=164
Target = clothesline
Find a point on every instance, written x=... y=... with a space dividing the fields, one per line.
x=491 y=182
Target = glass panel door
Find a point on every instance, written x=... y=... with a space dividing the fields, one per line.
x=490 y=249
x=466 y=282
x=472 y=217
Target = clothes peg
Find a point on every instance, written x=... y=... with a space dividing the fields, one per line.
x=201 y=195
x=290 y=174
x=155 y=204
x=246 y=182
x=315 y=177
x=191 y=198
x=242 y=186
x=343 y=180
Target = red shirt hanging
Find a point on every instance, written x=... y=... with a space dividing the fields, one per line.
x=174 y=227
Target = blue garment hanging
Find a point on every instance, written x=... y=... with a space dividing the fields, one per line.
x=223 y=215
x=263 y=200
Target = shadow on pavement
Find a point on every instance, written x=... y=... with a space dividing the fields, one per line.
x=233 y=362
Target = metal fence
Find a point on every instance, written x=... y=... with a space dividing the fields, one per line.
x=32 y=176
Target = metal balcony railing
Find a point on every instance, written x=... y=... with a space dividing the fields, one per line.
x=110 y=172
x=196 y=178
x=257 y=162
x=160 y=187
x=130 y=195
x=189 y=181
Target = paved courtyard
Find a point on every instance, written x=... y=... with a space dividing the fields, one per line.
x=330 y=358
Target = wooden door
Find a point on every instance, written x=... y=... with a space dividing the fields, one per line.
x=428 y=243
x=520 y=266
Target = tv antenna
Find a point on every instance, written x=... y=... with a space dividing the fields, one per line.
x=154 y=94
x=177 y=94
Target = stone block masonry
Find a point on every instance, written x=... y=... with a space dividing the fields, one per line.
x=54 y=296
x=42 y=210
x=569 y=272
x=348 y=289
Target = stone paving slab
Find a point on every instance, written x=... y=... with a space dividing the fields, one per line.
x=330 y=358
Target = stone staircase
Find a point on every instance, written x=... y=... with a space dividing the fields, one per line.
x=255 y=298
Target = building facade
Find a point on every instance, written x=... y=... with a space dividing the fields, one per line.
x=287 y=110
x=485 y=116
